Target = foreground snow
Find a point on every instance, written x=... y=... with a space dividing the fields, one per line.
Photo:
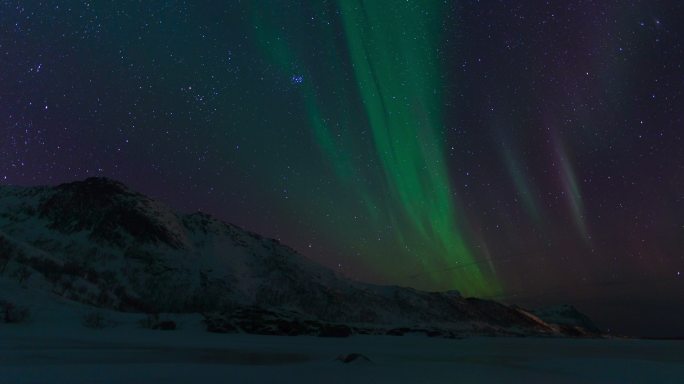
x=128 y=354
x=54 y=346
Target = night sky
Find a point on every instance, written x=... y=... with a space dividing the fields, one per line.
x=525 y=151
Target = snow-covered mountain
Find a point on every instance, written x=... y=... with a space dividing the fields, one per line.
x=99 y=243
x=568 y=318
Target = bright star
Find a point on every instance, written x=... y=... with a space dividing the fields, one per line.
x=297 y=79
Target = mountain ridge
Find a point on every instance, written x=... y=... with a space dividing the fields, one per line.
x=100 y=243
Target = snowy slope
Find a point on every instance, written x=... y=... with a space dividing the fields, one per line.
x=99 y=243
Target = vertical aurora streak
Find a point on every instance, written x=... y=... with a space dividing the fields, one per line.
x=393 y=49
x=522 y=187
x=572 y=191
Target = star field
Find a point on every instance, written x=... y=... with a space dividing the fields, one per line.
x=526 y=151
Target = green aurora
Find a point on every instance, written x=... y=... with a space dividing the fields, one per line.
x=393 y=49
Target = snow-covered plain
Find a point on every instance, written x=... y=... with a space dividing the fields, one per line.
x=126 y=353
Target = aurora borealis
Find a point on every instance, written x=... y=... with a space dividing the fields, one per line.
x=524 y=151
x=412 y=197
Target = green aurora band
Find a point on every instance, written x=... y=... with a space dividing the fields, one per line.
x=393 y=48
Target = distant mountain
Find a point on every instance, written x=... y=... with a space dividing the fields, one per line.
x=568 y=317
x=99 y=243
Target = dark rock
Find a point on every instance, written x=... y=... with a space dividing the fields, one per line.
x=218 y=324
x=12 y=313
x=353 y=358
x=435 y=333
x=330 y=330
x=152 y=321
x=397 y=331
x=291 y=328
x=106 y=209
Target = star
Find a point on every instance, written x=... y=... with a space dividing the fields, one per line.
x=297 y=79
